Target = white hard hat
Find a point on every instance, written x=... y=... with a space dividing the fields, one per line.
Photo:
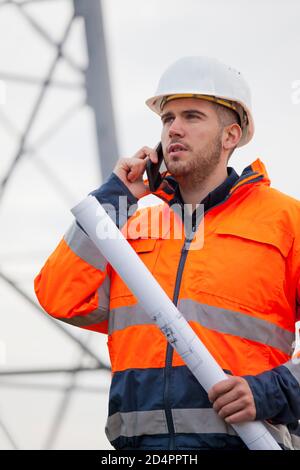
x=209 y=79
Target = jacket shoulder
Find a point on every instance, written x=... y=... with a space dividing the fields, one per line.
x=277 y=208
x=284 y=198
x=285 y=203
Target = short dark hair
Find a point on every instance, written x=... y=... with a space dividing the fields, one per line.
x=226 y=117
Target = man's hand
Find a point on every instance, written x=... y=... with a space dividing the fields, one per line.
x=131 y=170
x=233 y=400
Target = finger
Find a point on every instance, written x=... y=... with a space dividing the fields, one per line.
x=231 y=409
x=225 y=399
x=147 y=152
x=220 y=388
x=136 y=169
x=239 y=417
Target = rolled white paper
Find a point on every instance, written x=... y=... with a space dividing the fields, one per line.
x=122 y=257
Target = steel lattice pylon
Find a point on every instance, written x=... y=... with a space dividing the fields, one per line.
x=94 y=80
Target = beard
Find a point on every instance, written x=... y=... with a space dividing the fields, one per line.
x=199 y=166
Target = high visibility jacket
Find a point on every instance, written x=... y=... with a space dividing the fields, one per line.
x=240 y=293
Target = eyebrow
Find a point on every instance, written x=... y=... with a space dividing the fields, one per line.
x=186 y=111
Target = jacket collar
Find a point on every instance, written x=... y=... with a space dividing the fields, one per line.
x=216 y=195
x=253 y=173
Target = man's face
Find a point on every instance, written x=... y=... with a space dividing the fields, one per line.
x=191 y=138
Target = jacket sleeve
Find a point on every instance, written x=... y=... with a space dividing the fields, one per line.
x=277 y=392
x=74 y=284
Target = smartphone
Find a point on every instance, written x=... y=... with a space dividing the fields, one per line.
x=152 y=170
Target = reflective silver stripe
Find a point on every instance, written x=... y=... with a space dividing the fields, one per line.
x=136 y=423
x=122 y=317
x=92 y=318
x=294 y=369
x=186 y=421
x=200 y=421
x=213 y=318
x=237 y=324
x=83 y=247
x=98 y=315
x=104 y=293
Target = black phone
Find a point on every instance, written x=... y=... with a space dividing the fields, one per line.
x=152 y=170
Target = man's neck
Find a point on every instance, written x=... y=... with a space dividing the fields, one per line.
x=193 y=194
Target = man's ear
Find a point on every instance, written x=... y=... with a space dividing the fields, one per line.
x=232 y=134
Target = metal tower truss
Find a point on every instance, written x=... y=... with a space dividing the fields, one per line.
x=56 y=126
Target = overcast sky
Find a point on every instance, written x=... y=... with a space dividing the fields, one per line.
x=260 y=38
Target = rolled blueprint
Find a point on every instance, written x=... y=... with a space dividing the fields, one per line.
x=122 y=257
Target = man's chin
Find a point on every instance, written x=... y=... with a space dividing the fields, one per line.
x=178 y=170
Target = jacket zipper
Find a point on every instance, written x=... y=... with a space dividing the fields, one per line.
x=169 y=352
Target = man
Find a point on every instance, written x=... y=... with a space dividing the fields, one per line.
x=240 y=292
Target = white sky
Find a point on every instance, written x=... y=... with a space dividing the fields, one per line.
x=261 y=38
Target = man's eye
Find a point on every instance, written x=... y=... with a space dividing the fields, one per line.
x=193 y=116
x=166 y=119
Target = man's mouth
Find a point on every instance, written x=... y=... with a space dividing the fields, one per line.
x=175 y=148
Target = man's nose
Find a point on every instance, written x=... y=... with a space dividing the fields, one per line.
x=176 y=128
